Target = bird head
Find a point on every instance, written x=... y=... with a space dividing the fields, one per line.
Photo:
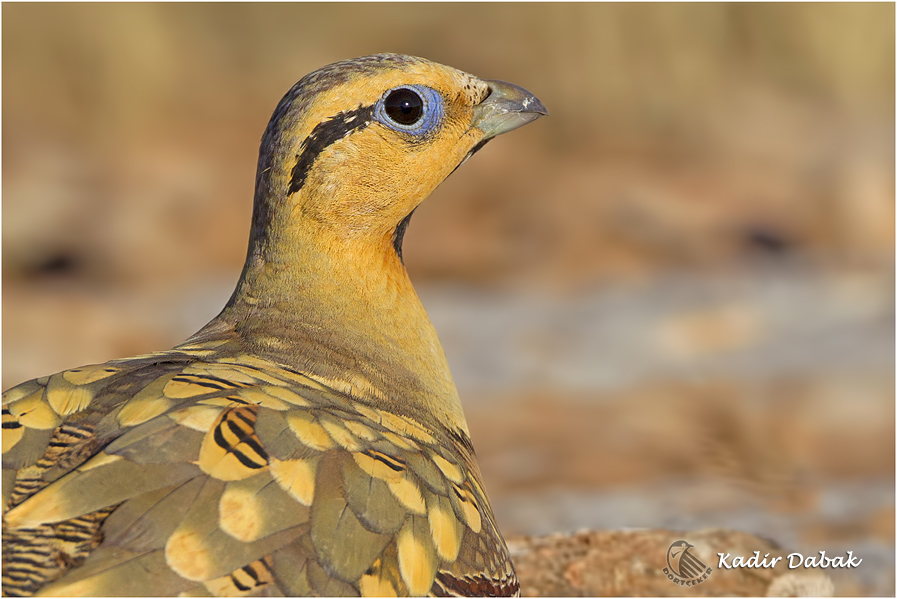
x=349 y=153
x=355 y=146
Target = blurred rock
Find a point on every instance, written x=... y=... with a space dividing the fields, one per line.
x=630 y=563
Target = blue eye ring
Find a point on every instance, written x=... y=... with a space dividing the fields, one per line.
x=413 y=109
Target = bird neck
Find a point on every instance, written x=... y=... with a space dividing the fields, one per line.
x=340 y=307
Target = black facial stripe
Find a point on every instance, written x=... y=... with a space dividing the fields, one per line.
x=475 y=149
x=399 y=234
x=325 y=133
x=478 y=147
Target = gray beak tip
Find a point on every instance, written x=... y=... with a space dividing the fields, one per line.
x=506 y=108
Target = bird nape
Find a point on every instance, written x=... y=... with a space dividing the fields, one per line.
x=309 y=440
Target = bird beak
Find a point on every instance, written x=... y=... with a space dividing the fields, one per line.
x=507 y=107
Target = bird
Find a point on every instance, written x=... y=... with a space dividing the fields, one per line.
x=309 y=440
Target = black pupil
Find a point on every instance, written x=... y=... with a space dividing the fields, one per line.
x=404 y=106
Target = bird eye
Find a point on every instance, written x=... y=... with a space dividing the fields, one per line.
x=403 y=106
x=413 y=109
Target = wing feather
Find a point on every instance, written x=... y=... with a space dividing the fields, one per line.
x=210 y=465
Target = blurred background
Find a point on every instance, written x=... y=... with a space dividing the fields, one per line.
x=670 y=303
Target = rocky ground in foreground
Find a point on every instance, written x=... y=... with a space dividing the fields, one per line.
x=631 y=563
